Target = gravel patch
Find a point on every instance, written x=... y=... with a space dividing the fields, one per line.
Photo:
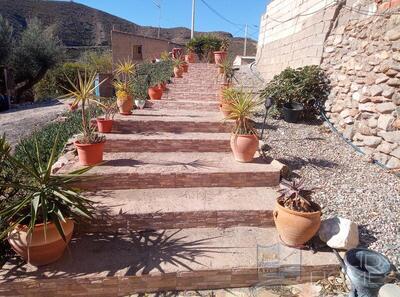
x=349 y=185
x=20 y=121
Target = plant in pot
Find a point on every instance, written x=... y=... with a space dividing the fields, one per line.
x=140 y=90
x=227 y=75
x=178 y=71
x=38 y=209
x=297 y=218
x=298 y=92
x=89 y=144
x=220 y=56
x=123 y=73
x=109 y=108
x=244 y=139
x=228 y=95
x=155 y=80
x=190 y=56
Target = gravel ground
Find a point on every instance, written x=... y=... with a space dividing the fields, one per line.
x=349 y=185
x=21 y=121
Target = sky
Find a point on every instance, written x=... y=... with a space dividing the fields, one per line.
x=177 y=13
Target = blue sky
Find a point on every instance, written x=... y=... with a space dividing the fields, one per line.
x=177 y=13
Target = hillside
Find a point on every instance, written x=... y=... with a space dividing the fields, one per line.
x=80 y=25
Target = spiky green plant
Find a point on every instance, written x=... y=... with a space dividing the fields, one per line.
x=83 y=92
x=228 y=70
x=39 y=196
x=242 y=107
x=108 y=106
x=294 y=196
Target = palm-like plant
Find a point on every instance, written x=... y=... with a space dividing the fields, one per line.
x=178 y=62
x=242 y=106
x=39 y=196
x=123 y=73
x=108 y=106
x=83 y=92
x=294 y=196
x=227 y=72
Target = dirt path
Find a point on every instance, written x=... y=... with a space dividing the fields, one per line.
x=20 y=122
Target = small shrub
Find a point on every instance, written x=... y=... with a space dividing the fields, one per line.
x=156 y=73
x=100 y=62
x=307 y=85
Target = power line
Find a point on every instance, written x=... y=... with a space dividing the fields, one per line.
x=220 y=15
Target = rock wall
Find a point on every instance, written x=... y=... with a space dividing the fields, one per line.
x=362 y=60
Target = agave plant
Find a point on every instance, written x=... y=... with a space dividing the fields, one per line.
x=178 y=62
x=242 y=106
x=39 y=196
x=83 y=92
x=294 y=196
x=227 y=70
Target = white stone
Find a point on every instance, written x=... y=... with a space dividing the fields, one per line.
x=385 y=122
x=393 y=163
x=393 y=136
x=339 y=233
x=370 y=107
x=356 y=96
x=389 y=290
x=396 y=153
x=376 y=90
x=386 y=107
x=386 y=147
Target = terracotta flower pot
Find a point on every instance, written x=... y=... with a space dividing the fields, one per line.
x=103 y=125
x=185 y=67
x=219 y=56
x=163 y=86
x=155 y=93
x=90 y=153
x=178 y=71
x=244 y=147
x=296 y=228
x=37 y=249
x=190 y=58
x=125 y=105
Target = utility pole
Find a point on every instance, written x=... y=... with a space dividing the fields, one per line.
x=193 y=13
x=245 y=41
x=158 y=4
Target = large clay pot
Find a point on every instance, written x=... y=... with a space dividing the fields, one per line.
x=125 y=105
x=244 y=147
x=90 y=154
x=178 y=71
x=219 y=56
x=185 y=67
x=38 y=249
x=155 y=93
x=190 y=58
x=296 y=228
x=103 y=125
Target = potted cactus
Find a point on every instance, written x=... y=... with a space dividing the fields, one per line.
x=123 y=73
x=220 y=56
x=297 y=218
x=109 y=108
x=89 y=144
x=244 y=139
x=39 y=209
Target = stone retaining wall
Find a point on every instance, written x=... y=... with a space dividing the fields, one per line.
x=362 y=60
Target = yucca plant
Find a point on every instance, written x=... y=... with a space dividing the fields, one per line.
x=124 y=72
x=83 y=92
x=39 y=196
x=227 y=70
x=242 y=107
x=225 y=43
x=108 y=106
x=294 y=196
x=178 y=62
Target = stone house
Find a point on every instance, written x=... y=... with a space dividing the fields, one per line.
x=357 y=43
x=138 y=48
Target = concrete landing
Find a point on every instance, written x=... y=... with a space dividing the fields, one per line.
x=167 y=260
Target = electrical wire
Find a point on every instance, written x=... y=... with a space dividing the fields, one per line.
x=220 y=15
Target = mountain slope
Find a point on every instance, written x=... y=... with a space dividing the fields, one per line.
x=80 y=25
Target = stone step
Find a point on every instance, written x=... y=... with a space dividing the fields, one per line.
x=174 y=121
x=176 y=170
x=150 y=261
x=199 y=105
x=198 y=96
x=168 y=142
x=125 y=210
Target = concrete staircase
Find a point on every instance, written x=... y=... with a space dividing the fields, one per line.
x=175 y=210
